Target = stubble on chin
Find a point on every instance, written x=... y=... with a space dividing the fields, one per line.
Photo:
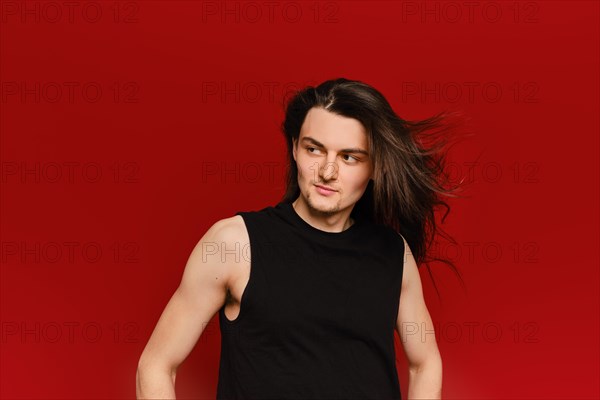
x=330 y=211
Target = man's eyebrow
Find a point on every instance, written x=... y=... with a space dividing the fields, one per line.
x=319 y=144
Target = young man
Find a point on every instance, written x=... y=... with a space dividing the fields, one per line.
x=309 y=291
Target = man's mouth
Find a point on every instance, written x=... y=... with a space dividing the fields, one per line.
x=325 y=190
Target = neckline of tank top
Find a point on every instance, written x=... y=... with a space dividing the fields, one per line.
x=293 y=217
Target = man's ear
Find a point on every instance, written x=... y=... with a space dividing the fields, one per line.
x=294 y=148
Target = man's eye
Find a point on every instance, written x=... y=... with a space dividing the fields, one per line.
x=353 y=159
x=311 y=148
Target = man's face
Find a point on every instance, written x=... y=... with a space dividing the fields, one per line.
x=328 y=153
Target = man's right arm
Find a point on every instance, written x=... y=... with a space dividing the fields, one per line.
x=201 y=293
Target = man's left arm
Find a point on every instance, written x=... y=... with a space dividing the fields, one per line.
x=415 y=328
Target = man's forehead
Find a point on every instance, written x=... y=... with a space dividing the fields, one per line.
x=330 y=130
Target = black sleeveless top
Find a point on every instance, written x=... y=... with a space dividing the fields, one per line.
x=318 y=314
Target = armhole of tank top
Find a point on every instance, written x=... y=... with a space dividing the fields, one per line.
x=402 y=259
x=242 y=312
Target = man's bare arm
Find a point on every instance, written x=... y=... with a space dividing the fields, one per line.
x=415 y=327
x=201 y=293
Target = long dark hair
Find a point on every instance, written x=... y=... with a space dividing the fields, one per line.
x=409 y=177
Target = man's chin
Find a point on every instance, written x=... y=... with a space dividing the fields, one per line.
x=323 y=206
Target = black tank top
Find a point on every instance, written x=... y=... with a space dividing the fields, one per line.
x=318 y=314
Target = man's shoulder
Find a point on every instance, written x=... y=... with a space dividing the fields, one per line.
x=230 y=229
x=239 y=226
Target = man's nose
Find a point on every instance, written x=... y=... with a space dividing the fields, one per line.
x=329 y=169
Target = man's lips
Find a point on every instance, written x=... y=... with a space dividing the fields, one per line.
x=326 y=188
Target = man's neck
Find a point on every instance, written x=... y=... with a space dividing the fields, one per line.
x=334 y=222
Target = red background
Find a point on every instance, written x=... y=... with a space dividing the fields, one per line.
x=104 y=194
